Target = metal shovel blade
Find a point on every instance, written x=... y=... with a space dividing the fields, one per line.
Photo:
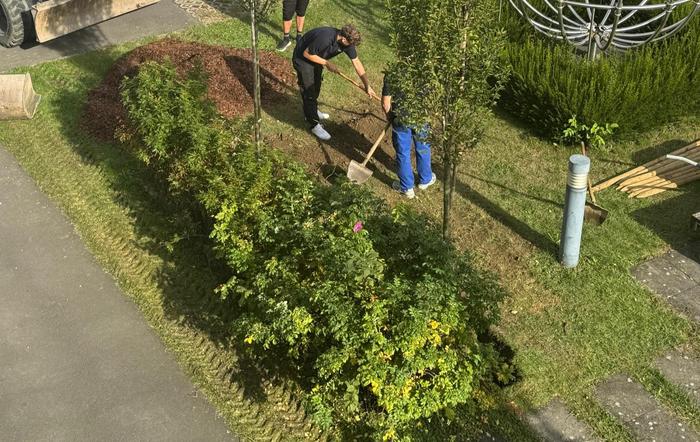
x=594 y=214
x=17 y=97
x=357 y=173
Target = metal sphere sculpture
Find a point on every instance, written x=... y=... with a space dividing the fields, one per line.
x=599 y=27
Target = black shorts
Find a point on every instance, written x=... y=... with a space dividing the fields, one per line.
x=290 y=7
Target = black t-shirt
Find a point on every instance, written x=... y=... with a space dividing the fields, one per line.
x=324 y=43
x=389 y=91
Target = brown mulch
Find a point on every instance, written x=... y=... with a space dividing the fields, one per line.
x=230 y=80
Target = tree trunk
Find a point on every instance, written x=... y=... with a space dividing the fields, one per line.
x=257 y=111
x=453 y=180
x=448 y=184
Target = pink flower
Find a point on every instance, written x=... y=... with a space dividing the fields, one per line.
x=357 y=227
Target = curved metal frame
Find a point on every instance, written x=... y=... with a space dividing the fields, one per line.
x=564 y=21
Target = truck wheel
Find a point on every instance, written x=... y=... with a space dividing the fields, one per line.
x=13 y=16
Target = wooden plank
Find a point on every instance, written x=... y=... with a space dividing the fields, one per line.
x=643 y=168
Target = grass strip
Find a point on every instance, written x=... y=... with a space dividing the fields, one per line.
x=603 y=424
x=670 y=395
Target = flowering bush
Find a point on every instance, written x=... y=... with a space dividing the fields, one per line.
x=383 y=313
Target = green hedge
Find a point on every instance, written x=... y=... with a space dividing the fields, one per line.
x=638 y=89
x=371 y=307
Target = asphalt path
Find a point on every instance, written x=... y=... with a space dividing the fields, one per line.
x=78 y=362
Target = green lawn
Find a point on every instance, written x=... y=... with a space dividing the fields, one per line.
x=568 y=329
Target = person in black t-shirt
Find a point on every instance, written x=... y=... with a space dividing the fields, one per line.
x=311 y=55
x=289 y=8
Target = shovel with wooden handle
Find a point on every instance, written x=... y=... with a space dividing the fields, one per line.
x=345 y=77
x=593 y=212
x=359 y=173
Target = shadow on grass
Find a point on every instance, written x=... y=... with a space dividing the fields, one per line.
x=516 y=192
x=368 y=14
x=644 y=155
x=670 y=220
x=519 y=227
x=271 y=25
x=365 y=13
x=525 y=129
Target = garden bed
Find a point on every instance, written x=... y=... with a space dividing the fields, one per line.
x=229 y=71
x=230 y=88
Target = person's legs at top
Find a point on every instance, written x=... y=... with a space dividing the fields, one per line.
x=301 y=13
x=426 y=177
x=401 y=137
x=288 y=9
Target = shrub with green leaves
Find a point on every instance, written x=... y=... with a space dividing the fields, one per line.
x=637 y=89
x=387 y=311
x=593 y=136
x=173 y=125
x=379 y=315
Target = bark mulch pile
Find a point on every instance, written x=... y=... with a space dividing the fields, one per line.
x=230 y=80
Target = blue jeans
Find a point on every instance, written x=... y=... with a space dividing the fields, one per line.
x=403 y=137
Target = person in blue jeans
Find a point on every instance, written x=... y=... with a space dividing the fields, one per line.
x=403 y=137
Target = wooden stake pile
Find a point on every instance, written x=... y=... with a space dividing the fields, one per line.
x=657 y=175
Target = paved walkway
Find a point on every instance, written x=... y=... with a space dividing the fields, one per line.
x=675 y=278
x=160 y=18
x=77 y=360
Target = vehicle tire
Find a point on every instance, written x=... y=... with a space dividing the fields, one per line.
x=14 y=15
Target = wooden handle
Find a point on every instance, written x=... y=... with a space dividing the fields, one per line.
x=664 y=167
x=590 y=188
x=375 y=145
x=590 y=192
x=694 y=146
x=357 y=84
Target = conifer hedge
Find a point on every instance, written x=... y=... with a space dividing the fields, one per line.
x=638 y=89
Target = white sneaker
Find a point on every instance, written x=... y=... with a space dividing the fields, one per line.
x=428 y=184
x=410 y=193
x=322 y=115
x=321 y=133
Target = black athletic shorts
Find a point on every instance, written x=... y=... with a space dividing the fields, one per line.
x=290 y=7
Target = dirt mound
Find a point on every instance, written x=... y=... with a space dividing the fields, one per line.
x=230 y=80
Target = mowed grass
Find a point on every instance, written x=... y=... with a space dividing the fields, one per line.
x=568 y=329
x=126 y=219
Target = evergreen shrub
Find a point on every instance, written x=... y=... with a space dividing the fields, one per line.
x=379 y=315
x=638 y=89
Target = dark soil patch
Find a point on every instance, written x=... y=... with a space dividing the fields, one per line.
x=230 y=88
x=353 y=133
x=230 y=80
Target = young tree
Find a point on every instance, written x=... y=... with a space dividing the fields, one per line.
x=258 y=9
x=449 y=74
